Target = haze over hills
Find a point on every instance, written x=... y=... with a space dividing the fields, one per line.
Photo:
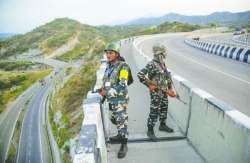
x=6 y=35
x=223 y=18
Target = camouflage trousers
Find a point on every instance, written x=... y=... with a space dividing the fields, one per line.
x=119 y=117
x=158 y=108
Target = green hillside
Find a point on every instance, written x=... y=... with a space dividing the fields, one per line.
x=169 y=27
x=13 y=83
x=79 y=39
x=50 y=37
x=111 y=33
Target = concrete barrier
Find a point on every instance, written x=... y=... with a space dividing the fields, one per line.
x=236 y=53
x=91 y=146
x=178 y=110
x=218 y=132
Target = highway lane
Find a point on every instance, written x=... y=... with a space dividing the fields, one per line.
x=224 y=78
x=9 y=118
x=31 y=144
x=34 y=145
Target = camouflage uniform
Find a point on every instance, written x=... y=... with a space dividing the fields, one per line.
x=115 y=86
x=156 y=72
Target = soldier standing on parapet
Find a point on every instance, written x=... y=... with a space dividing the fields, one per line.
x=115 y=90
x=158 y=79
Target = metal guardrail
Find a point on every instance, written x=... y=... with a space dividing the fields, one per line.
x=226 y=43
x=242 y=39
x=225 y=50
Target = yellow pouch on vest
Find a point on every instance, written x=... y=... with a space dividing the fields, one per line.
x=123 y=74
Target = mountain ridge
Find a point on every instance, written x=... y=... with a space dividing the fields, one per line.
x=223 y=18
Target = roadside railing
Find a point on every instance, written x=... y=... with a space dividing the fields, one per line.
x=224 y=50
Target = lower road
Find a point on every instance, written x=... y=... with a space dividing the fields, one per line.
x=9 y=118
x=32 y=144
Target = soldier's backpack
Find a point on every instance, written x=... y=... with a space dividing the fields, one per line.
x=130 y=77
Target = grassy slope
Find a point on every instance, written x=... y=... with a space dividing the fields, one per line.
x=169 y=27
x=113 y=33
x=68 y=101
x=19 y=65
x=49 y=37
x=12 y=84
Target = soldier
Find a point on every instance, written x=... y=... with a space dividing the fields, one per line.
x=158 y=79
x=115 y=90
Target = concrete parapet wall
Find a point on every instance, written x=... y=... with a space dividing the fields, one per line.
x=181 y=110
x=91 y=146
x=236 y=53
x=218 y=132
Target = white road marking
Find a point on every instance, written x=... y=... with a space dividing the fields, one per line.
x=216 y=70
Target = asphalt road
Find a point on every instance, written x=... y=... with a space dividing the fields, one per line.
x=33 y=130
x=8 y=120
x=226 y=79
x=34 y=145
x=31 y=138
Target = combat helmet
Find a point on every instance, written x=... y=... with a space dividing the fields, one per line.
x=159 y=50
x=112 y=47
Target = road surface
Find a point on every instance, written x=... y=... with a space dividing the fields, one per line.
x=33 y=128
x=9 y=118
x=226 y=79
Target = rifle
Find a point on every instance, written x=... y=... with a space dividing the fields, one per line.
x=168 y=74
x=177 y=95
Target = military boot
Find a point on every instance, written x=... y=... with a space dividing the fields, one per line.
x=123 y=149
x=116 y=138
x=151 y=134
x=164 y=127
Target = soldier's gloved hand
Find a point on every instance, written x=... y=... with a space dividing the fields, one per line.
x=102 y=92
x=171 y=93
x=151 y=87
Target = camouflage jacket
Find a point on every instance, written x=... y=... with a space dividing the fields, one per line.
x=156 y=73
x=115 y=82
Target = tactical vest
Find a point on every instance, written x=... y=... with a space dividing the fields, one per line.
x=159 y=76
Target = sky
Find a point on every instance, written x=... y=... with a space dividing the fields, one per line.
x=20 y=16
